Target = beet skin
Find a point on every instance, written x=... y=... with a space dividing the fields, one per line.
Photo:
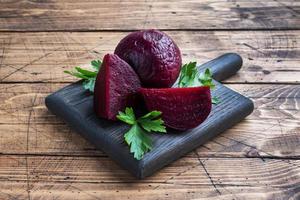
x=115 y=88
x=154 y=56
x=182 y=108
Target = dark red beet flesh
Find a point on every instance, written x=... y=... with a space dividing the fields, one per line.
x=182 y=108
x=115 y=88
x=154 y=56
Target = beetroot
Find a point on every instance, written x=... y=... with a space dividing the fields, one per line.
x=154 y=56
x=182 y=108
x=115 y=88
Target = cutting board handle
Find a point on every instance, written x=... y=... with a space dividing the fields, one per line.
x=224 y=66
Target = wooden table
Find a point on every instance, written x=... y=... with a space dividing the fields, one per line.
x=41 y=158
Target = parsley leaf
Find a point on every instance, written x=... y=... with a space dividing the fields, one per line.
x=215 y=100
x=96 y=64
x=89 y=84
x=206 y=79
x=87 y=73
x=137 y=138
x=127 y=117
x=139 y=142
x=190 y=77
x=88 y=76
x=149 y=123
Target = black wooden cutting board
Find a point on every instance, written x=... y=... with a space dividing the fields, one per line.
x=75 y=106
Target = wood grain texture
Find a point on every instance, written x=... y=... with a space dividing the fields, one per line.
x=269 y=57
x=272 y=130
x=128 y=15
x=188 y=178
x=257 y=159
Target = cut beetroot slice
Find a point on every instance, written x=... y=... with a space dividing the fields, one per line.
x=182 y=108
x=115 y=88
x=154 y=56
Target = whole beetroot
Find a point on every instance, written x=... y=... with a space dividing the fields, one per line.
x=154 y=56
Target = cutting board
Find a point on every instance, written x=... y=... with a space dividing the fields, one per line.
x=75 y=106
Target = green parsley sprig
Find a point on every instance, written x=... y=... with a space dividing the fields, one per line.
x=190 y=77
x=88 y=76
x=137 y=138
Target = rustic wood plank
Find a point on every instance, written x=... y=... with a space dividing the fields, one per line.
x=27 y=127
x=271 y=57
x=13 y=190
x=89 y=191
x=174 y=14
x=251 y=138
x=188 y=178
x=19 y=99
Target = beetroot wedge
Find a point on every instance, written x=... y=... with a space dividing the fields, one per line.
x=182 y=108
x=115 y=88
